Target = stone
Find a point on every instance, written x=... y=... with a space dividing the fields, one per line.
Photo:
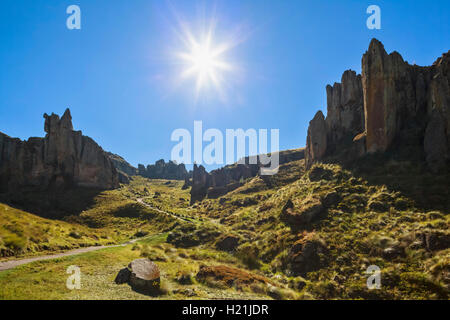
x=305 y=214
x=434 y=240
x=163 y=170
x=228 y=243
x=306 y=256
x=318 y=173
x=380 y=73
x=316 y=143
x=145 y=276
x=217 y=183
x=331 y=199
x=345 y=109
x=393 y=252
x=123 y=276
x=122 y=165
x=63 y=159
x=391 y=107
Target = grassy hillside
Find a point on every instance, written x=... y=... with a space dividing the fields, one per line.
x=113 y=217
x=297 y=235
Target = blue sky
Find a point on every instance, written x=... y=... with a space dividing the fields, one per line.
x=118 y=73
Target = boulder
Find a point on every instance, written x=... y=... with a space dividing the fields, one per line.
x=305 y=214
x=228 y=243
x=306 y=256
x=331 y=199
x=144 y=276
x=123 y=276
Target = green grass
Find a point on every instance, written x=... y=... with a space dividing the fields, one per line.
x=379 y=218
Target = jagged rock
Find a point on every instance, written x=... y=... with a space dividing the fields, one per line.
x=228 y=243
x=345 y=109
x=406 y=111
x=63 y=159
x=306 y=256
x=163 y=170
x=387 y=88
x=122 y=165
x=316 y=143
x=145 y=276
x=305 y=214
x=219 y=182
x=201 y=181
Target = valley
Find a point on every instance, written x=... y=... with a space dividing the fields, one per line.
x=264 y=256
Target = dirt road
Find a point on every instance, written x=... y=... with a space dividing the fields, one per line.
x=15 y=263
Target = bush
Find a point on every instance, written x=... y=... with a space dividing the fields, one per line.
x=14 y=242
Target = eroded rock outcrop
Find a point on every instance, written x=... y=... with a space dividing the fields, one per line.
x=394 y=97
x=317 y=139
x=344 y=121
x=163 y=170
x=392 y=106
x=345 y=108
x=221 y=181
x=64 y=158
x=122 y=165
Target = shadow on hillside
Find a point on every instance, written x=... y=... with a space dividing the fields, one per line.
x=53 y=204
x=410 y=177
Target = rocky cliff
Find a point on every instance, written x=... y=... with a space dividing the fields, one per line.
x=389 y=107
x=221 y=181
x=124 y=169
x=63 y=159
x=163 y=170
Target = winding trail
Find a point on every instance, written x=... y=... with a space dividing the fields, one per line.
x=7 y=265
x=141 y=201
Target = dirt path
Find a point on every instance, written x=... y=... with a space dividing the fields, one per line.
x=141 y=201
x=15 y=263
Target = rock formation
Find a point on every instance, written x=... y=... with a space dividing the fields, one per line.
x=122 y=165
x=317 y=138
x=63 y=159
x=221 y=181
x=163 y=170
x=391 y=106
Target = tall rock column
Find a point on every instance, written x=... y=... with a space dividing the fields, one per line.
x=345 y=109
x=316 y=143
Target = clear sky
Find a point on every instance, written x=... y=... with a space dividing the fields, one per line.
x=120 y=74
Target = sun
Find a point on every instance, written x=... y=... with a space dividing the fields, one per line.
x=205 y=62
